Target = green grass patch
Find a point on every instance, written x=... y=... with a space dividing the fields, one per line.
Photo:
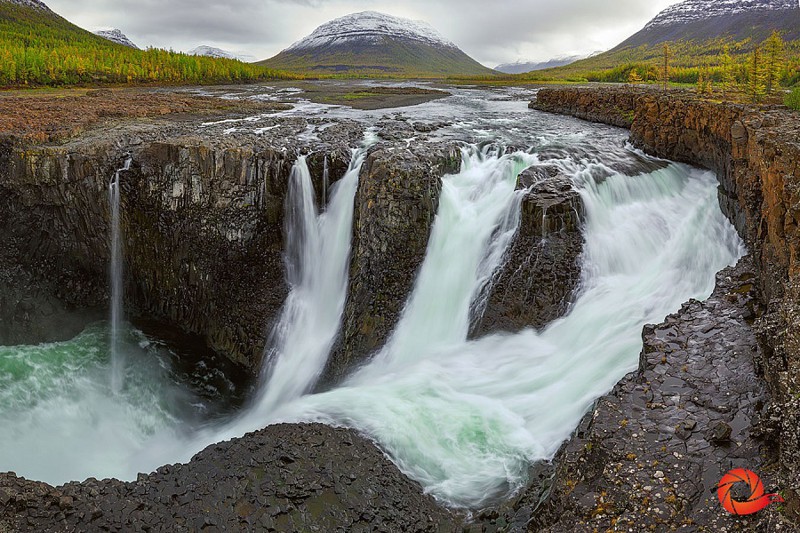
x=792 y=100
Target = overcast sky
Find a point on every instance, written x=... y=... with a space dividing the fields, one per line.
x=492 y=32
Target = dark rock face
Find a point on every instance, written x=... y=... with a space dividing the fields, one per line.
x=757 y=158
x=202 y=225
x=652 y=452
x=396 y=203
x=542 y=267
x=616 y=108
x=45 y=271
x=283 y=478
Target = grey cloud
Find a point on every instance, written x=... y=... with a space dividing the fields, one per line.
x=491 y=32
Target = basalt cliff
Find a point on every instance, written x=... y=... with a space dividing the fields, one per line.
x=755 y=153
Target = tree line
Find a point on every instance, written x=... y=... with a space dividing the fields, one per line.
x=42 y=49
x=757 y=74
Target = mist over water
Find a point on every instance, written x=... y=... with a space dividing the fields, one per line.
x=463 y=417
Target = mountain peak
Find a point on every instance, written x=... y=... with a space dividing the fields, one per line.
x=116 y=36
x=371 y=43
x=371 y=27
x=211 y=51
x=692 y=10
x=35 y=4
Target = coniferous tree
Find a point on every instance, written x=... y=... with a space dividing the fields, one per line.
x=728 y=77
x=634 y=76
x=756 y=84
x=666 y=57
x=40 y=49
x=774 y=60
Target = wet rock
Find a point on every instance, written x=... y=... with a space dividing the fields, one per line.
x=755 y=153
x=541 y=270
x=396 y=202
x=719 y=432
x=345 y=485
x=627 y=468
x=202 y=220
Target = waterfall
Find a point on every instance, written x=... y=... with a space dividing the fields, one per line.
x=326 y=179
x=317 y=267
x=466 y=418
x=116 y=275
x=477 y=219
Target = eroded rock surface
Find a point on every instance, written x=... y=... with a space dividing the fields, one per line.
x=283 y=478
x=542 y=267
x=202 y=219
x=650 y=454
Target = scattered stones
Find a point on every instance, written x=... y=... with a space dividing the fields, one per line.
x=643 y=474
x=719 y=432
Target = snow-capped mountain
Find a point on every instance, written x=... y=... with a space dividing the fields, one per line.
x=691 y=10
x=703 y=20
x=116 y=36
x=211 y=51
x=371 y=26
x=36 y=4
x=376 y=43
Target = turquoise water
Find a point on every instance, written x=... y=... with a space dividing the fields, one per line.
x=62 y=421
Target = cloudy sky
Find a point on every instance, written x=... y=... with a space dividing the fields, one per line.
x=492 y=32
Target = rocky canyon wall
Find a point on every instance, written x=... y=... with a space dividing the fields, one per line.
x=202 y=225
x=203 y=232
x=756 y=154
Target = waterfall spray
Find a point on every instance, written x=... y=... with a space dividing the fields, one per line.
x=317 y=263
x=465 y=417
x=116 y=273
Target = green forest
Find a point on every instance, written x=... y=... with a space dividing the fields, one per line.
x=39 y=48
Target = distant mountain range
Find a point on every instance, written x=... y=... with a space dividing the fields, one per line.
x=521 y=67
x=697 y=31
x=116 y=36
x=43 y=47
x=372 y=43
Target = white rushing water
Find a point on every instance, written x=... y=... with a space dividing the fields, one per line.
x=64 y=418
x=61 y=420
x=317 y=265
x=466 y=418
x=116 y=274
x=463 y=417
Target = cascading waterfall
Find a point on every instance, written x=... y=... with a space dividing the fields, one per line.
x=466 y=418
x=463 y=417
x=116 y=274
x=317 y=264
x=326 y=180
x=477 y=219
